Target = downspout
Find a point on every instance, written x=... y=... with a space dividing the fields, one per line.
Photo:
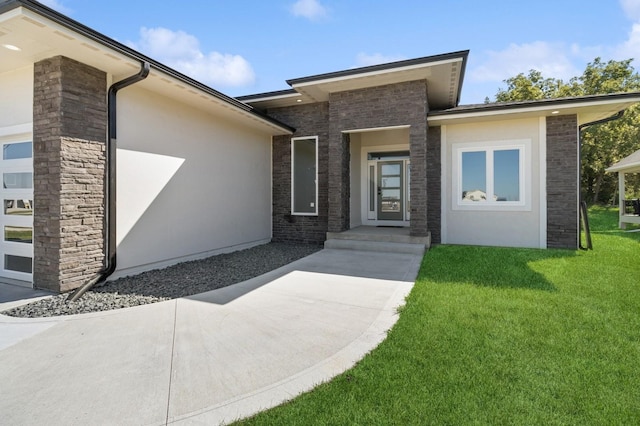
x=110 y=183
x=582 y=204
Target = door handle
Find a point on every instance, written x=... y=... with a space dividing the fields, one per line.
x=379 y=192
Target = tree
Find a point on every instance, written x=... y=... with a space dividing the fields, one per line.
x=531 y=87
x=602 y=145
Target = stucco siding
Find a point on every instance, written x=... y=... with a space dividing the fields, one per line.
x=16 y=102
x=189 y=184
x=497 y=226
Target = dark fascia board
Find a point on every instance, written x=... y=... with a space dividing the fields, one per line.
x=463 y=70
x=274 y=94
x=79 y=28
x=502 y=106
x=462 y=54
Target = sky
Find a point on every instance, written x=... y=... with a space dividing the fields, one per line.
x=243 y=47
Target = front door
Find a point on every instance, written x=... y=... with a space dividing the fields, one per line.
x=390 y=190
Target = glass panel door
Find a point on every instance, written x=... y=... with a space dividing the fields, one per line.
x=390 y=190
x=16 y=217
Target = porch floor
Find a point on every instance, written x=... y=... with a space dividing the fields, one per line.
x=378 y=238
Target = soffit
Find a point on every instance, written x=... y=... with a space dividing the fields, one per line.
x=442 y=82
x=443 y=76
x=40 y=38
x=586 y=110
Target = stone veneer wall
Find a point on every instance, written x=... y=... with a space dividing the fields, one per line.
x=434 y=179
x=309 y=120
x=69 y=134
x=390 y=105
x=562 y=182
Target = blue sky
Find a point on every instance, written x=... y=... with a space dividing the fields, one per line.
x=245 y=47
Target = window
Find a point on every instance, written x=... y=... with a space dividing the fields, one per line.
x=18 y=263
x=17 y=180
x=14 y=151
x=304 y=176
x=490 y=177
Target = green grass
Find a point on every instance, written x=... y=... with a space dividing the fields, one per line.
x=501 y=336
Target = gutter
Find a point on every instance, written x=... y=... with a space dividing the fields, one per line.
x=582 y=203
x=110 y=183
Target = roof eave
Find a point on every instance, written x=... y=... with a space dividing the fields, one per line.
x=541 y=106
x=91 y=34
x=463 y=54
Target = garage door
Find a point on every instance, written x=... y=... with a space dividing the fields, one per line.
x=16 y=220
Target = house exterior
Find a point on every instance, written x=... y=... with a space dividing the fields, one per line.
x=193 y=165
x=394 y=148
x=107 y=151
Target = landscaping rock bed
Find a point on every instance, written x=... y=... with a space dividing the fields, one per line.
x=183 y=279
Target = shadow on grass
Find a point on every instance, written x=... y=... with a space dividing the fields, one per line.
x=495 y=267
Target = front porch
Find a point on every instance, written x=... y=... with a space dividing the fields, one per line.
x=379 y=239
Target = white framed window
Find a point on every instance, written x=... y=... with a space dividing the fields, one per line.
x=304 y=176
x=492 y=176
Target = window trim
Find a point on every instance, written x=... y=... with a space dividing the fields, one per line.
x=524 y=148
x=293 y=212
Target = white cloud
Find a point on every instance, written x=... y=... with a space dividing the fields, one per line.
x=56 y=5
x=551 y=59
x=181 y=51
x=364 y=59
x=631 y=47
x=310 y=9
x=631 y=8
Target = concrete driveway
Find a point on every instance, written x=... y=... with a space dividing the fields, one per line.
x=207 y=359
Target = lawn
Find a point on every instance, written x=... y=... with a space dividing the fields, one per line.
x=501 y=336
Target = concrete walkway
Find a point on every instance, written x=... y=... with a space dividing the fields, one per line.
x=207 y=359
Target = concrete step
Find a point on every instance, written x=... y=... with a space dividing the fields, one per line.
x=379 y=239
x=377 y=246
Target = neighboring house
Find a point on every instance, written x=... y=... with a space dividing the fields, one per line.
x=199 y=173
x=629 y=209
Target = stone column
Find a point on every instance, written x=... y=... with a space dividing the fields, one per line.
x=418 y=184
x=69 y=135
x=339 y=183
x=562 y=182
x=434 y=182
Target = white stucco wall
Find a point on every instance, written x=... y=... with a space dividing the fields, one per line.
x=525 y=227
x=189 y=184
x=16 y=101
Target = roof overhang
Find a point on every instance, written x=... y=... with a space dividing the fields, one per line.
x=31 y=32
x=630 y=164
x=587 y=108
x=443 y=73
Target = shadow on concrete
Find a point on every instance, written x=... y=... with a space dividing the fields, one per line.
x=12 y=293
x=321 y=266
